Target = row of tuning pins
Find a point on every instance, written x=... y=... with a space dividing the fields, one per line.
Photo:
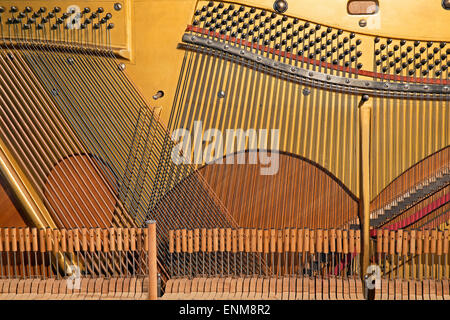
x=403 y=58
x=43 y=25
x=288 y=36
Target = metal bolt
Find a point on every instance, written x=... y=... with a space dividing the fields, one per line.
x=117 y=6
x=158 y=95
x=280 y=6
x=221 y=94
x=306 y=91
x=446 y=4
x=121 y=66
x=362 y=23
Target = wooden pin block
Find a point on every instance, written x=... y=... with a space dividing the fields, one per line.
x=196 y=240
x=293 y=240
x=306 y=241
x=241 y=240
x=254 y=243
x=222 y=240
x=183 y=240
x=132 y=239
x=228 y=236
x=190 y=241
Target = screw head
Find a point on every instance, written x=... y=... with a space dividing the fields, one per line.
x=363 y=23
x=221 y=94
x=121 y=66
x=306 y=91
x=117 y=6
x=280 y=6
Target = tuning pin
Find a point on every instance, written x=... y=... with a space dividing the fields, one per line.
x=429 y=44
x=40 y=26
x=396 y=47
x=411 y=72
x=422 y=50
x=2 y=9
x=340 y=31
x=442 y=45
x=64 y=15
x=376 y=40
x=21 y=15
x=409 y=49
x=31 y=21
x=56 y=9
x=383 y=46
x=102 y=21
x=402 y=42
x=110 y=26
x=87 y=21
x=389 y=41
x=14 y=9
x=44 y=20
x=96 y=26
x=416 y=43
x=100 y=10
